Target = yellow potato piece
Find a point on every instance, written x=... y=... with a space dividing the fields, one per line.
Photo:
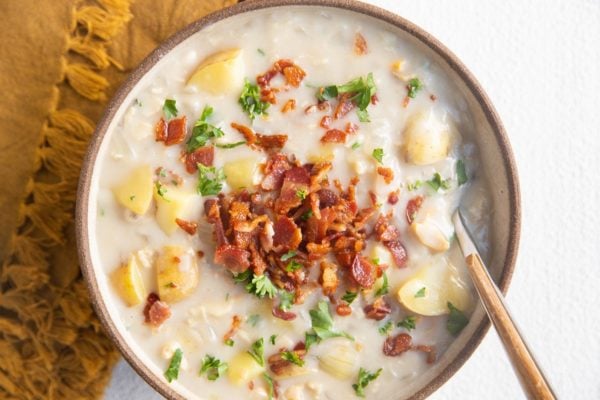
x=135 y=192
x=241 y=173
x=220 y=73
x=127 y=281
x=323 y=153
x=426 y=139
x=243 y=368
x=172 y=204
x=177 y=273
x=430 y=235
x=429 y=290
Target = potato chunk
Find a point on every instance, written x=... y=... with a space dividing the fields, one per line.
x=241 y=173
x=135 y=192
x=220 y=73
x=171 y=203
x=243 y=368
x=177 y=273
x=426 y=139
x=128 y=282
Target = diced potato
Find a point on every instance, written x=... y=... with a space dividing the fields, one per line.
x=432 y=287
x=220 y=73
x=128 y=282
x=426 y=139
x=241 y=173
x=172 y=204
x=397 y=68
x=135 y=192
x=430 y=234
x=382 y=255
x=243 y=368
x=176 y=273
x=340 y=361
x=323 y=153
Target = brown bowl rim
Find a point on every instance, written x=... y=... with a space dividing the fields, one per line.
x=353 y=5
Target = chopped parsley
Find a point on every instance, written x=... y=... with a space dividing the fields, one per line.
x=420 y=292
x=457 y=320
x=243 y=277
x=261 y=286
x=253 y=319
x=386 y=328
x=132 y=197
x=137 y=102
x=292 y=266
x=260 y=51
x=378 y=155
x=257 y=351
x=286 y=299
x=301 y=194
x=210 y=180
x=172 y=372
x=288 y=255
x=306 y=216
x=229 y=342
x=360 y=89
x=461 y=173
x=213 y=367
x=270 y=385
x=414 y=86
x=251 y=102
x=364 y=378
x=322 y=325
x=375 y=260
x=349 y=297
x=202 y=131
x=170 y=108
x=160 y=190
x=327 y=92
x=355 y=145
x=384 y=289
x=292 y=357
x=272 y=339
x=409 y=323
x=230 y=145
x=437 y=182
x=414 y=186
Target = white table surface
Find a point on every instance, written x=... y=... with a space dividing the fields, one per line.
x=539 y=61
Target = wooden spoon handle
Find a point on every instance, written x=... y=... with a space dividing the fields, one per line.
x=531 y=377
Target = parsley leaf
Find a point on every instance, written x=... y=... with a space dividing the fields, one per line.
x=349 y=297
x=327 y=92
x=355 y=145
x=161 y=190
x=172 y=373
x=408 y=323
x=210 y=180
x=301 y=194
x=378 y=155
x=437 y=182
x=243 y=277
x=363 y=116
x=229 y=342
x=420 y=292
x=270 y=385
x=293 y=266
x=364 y=378
x=360 y=89
x=322 y=323
x=306 y=216
x=230 y=145
x=261 y=286
x=457 y=320
x=384 y=289
x=257 y=351
x=170 y=108
x=272 y=339
x=286 y=299
x=461 y=173
x=414 y=186
x=292 y=357
x=260 y=51
x=213 y=367
x=251 y=102
x=386 y=329
x=253 y=319
x=310 y=338
x=288 y=255
x=202 y=131
x=414 y=86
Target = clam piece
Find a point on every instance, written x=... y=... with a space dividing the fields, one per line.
x=430 y=234
x=426 y=139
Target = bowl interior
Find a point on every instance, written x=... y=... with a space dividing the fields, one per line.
x=497 y=170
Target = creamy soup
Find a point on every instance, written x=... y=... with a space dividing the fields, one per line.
x=273 y=210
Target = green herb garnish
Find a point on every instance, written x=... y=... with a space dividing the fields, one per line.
x=202 y=131
x=172 y=372
x=161 y=190
x=292 y=357
x=306 y=216
x=414 y=85
x=457 y=320
x=384 y=289
x=349 y=297
x=386 y=328
x=230 y=145
x=170 y=108
x=253 y=319
x=361 y=90
x=210 y=180
x=261 y=286
x=288 y=255
x=301 y=194
x=322 y=323
x=251 y=102
x=414 y=186
x=437 y=182
x=243 y=277
x=420 y=292
x=229 y=342
x=408 y=323
x=213 y=367
x=355 y=145
x=270 y=385
x=461 y=173
x=260 y=51
x=364 y=378
x=293 y=266
x=257 y=351
x=272 y=339
x=286 y=299
x=378 y=155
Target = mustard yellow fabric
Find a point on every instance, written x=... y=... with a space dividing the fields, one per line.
x=60 y=61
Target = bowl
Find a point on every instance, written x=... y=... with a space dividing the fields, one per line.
x=498 y=169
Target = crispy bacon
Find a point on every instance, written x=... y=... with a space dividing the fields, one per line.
x=343 y=310
x=396 y=345
x=329 y=279
x=412 y=207
x=398 y=251
x=385 y=231
x=175 y=131
x=334 y=136
x=155 y=311
x=325 y=122
x=279 y=366
x=287 y=235
x=362 y=271
x=393 y=197
x=295 y=187
x=293 y=74
x=213 y=215
x=327 y=198
x=360 y=44
x=345 y=105
x=284 y=315
x=271 y=142
x=378 y=310
x=429 y=350
x=235 y=325
x=275 y=170
x=233 y=258
x=160 y=130
x=386 y=173
x=203 y=155
x=289 y=105
x=189 y=227
x=247 y=132
x=351 y=128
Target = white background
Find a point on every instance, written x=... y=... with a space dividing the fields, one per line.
x=539 y=61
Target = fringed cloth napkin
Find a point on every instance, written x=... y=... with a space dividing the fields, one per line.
x=60 y=61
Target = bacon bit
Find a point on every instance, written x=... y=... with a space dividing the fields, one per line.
x=327 y=198
x=384 y=231
x=325 y=122
x=265 y=79
x=175 y=131
x=213 y=215
x=393 y=197
x=329 y=279
x=429 y=350
x=247 y=132
x=295 y=181
x=200 y=253
x=275 y=171
x=412 y=207
x=334 y=136
x=386 y=173
x=284 y=315
x=362 y=272
x=374 y=99
x=160 y=131
x=360 y=45
x=251 y=385
x=345 y=105
x=271 y=142
x=287 y=235
x=279 y=366
x=324 y=106
x=189 y=227
x=233 y=258
x=317 y=251
x=406 y=102
x=343 y=310
x=351 y=128
x=204 y=155
x=378 y=310
x=289 y=105
x=433 y=97
x=293 y=74
x=396 y=345
x=310 y=109
x=396 y=248
x=151 y=299
x=155 y=311
x=235 y=325
x=373 y=198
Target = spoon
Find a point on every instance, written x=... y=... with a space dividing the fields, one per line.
x=532 y=380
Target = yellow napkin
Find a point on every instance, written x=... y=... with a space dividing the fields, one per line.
x=60 y=61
